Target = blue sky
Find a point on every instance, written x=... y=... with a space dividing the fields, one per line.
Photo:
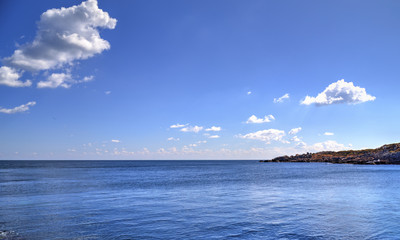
x=109 y=80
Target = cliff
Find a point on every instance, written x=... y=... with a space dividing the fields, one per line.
x=387 y=154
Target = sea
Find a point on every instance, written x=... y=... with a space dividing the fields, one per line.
x=198 y=200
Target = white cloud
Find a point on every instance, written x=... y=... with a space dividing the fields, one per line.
x=294 y=131
x=214 y=129
x=64 y=35
x=266 y=135
x=295 y=139
x=10 y=77
x=194 y=129
x=281 y=99
x=254 y=119
x=177 y=125
x=325 y=146
x=22 y=108
x=87 y=79
x=249 y=92
x=107 y=92
x=329 y=134
x=61 y=80
x=340 y=92
x=115 y=141
x=214 y=136
x=173 y=139
x=56 y=80
x=200 y=142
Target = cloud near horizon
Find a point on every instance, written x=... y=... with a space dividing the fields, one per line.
x=339 y=92
x=266 y=136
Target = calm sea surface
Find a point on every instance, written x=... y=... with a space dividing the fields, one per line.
x=197 y=200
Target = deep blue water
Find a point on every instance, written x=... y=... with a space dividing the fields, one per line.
x=197 y=200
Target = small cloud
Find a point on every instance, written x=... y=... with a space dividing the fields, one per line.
x=214 y=129
x=10 y=77
x=339 y=92
x=214 y=136
x=254 y=119
x=173 y=139
x=87 y=79
x=296 y=139
x=194 y=129
x=21 y=108
x=249 y=92
x=329 y=134
x=281 y=99
x=115 y=141
x=200 y=142
x=61 y=80
x=266 y=136
x=294 y=131
x=107 y=92
x=178 y=125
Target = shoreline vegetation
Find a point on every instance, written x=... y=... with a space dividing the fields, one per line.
x=387 y=154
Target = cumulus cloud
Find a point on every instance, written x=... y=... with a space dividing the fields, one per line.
x=329 y=134
x=177 y=125
x=339 y=92
x=64 y=35
x=10 y=77
x=22 y=108
x=214 y=136
x=249 y=92
x=266 y=135
x=115 y=141
x=254 y=119
x=214 y=129
x=294 y=131
x=194 y=129
x=281 y=99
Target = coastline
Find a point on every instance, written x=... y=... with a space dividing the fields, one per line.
x=387 y=154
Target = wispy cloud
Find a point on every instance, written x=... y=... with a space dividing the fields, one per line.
x=173 y=139
x=281 y=99
x=115 y=141
x=194 y=129
x=294 y=131
x=214 y=136
x=329 y=134
x=178 y=125
x=21 y=108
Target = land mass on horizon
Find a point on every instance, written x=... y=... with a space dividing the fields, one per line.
x=387 y=154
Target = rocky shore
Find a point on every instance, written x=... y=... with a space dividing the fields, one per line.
x=387 y=154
